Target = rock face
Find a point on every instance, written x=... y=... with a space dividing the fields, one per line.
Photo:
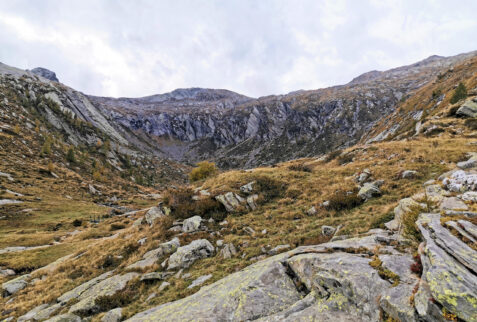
x=210 y=123
x=468 y=109
x=17 y=284
x=186 y=255
x=45 y=73
x=153 y=214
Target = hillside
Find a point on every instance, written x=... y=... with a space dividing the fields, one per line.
x=383 y=229
x=236 y=131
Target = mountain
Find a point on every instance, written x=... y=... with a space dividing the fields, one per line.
x=237 y=131
x=96 y=225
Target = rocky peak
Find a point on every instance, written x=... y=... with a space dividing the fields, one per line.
x=45 y=73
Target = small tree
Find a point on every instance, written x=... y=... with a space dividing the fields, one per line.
x=459 y=93
x=204 y=169
x=70 y=155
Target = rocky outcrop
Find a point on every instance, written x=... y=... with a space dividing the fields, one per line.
x=151 y=257
x=468 y=109
x=186 y=255
x=45 y=73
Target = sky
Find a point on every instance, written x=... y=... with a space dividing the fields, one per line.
x=136 y=48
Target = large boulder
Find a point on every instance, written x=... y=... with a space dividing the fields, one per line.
x=17 y=284
x=468 y=109
x=187 y=255
x=150 y=258
x=370 y=190
x=153 y=214
x=230 y=200
x=192 y=224
x=45 y=73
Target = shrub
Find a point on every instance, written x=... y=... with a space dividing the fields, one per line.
x=77 y=222
x=342 y=200
x=332 y=155
x=300 y=167
x=183 y=206
x=268 y=187
x=459 y=93
x=46 y=147
x=409 y=225
x=204 y=169
x=70 y=155
x=115 y=226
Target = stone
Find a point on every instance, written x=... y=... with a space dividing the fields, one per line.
x=369 y=190
x=153 y=214
x=154 y=276
x=460 y=230
x=77 y=291
x=468 y=227
x=312 y=211
x=187 y=255
x=468 y=109
x=151 y=257
x=228 y=251
x=251 y=201
x=469 y=196
x=453 y=203
x=142 y=241
x=249 y=230
x=108 y=287
x=92 y=190
x=409 y=174
x=67 y=317
x=461 y=181
x=192 y=224
x=114 y=315
x=7 y=272
x=163 y=286
x=328 y=230
x=30 y=315
x=219 y=242
x=363 y=176
x=230 y=200
x=17 y=284
x=278 y=249
x=248 y=188
x=199 y=281
x=471 y=163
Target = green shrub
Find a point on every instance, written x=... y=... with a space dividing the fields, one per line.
x=342 y=200
x=204 y=169
x=300 y=167
x=459 y=93
x=70 y=155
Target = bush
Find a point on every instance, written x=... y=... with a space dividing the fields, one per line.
x=332 y=155
x=70 y=155
x=119 y=299
x=268 y=187
x=342 y=200
x=115 y=226
x=77 y=222
x=459 y=93
x=204 y=169
x=300 y=167
x=183 y=206
x=410 y=228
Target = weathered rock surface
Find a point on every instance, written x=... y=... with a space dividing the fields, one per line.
x=153 y=214
x=17 y=284
x=199 y=281
x=67 y=317
x=468 y=109
x=115 y=315
x=186 y=255
x=192 y=224
x=150 y=258
x=370 y=190
x=87 y=300
x=46 y=73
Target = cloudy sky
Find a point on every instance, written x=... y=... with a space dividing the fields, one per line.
x=255 y=47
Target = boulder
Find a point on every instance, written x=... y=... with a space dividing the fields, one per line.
x=115 y=315
x=153 y=214
x=17 y=284
x=230 y=200
x=461 y=181
x=228 y=251
x=192 y=224
x=312 y=211
x=409 y=174
x=77 y=291
x=453 y=203
x=187 y=255
x=363 y=176
x=278 y=249
x=87 y=300
x=248 y=188
x=154 y=276
x=251 y=201
x=163 y=286
x=468 y=109
x=328 y=230
x=471 y=163
x=370 y=190
x=6 y=272
x=199 y=281
x=150 y=258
